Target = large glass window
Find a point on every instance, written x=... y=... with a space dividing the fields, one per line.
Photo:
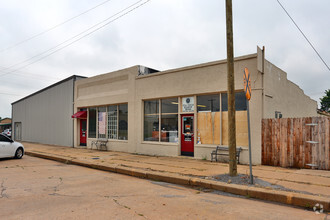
x=112 y=122
x=169 y=120
x=167 y=116
x=151 y=120
x=102 y=119
x=240 y=102
x=123 y=121
x=92 y=122
x=208 y=119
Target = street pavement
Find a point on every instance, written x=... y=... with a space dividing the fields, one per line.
x=299 y=187
x=35 y=188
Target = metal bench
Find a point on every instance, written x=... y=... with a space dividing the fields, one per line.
x=101 y=144
x=219 y=151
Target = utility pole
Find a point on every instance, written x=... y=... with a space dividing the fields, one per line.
x=231 y=91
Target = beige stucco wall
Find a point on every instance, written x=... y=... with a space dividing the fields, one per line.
x=124 y=86
x=284 y=96
x=107 y=89
x=271 y=91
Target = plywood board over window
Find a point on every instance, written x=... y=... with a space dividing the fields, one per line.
x=241 y=128
x=208 y=124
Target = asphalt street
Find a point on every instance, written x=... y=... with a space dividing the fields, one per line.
x=34 y=188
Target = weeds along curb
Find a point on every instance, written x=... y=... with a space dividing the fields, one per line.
x=289 y=198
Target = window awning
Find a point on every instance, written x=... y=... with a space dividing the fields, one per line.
x=80 y=114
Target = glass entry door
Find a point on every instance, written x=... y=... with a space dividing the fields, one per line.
x=187 y=135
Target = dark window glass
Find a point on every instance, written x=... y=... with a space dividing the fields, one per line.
x=240 y=101
x=92 y=122
x=123 y=122
x=170 y=105
x=210 y=103
x=169 y=120
x=151 y=120
x=151 y=107
x=188 y=124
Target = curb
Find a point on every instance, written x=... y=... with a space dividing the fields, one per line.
x=288 y=198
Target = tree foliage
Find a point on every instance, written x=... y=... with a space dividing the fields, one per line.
x=325 y=101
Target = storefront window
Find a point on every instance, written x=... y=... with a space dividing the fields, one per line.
x=112 y=122
x=102 y=119
x=208 y=119
x=123 y=121
x=241 y=119
x=169 y=120
x=92 y=122
x=240 y=102
x=151 y=120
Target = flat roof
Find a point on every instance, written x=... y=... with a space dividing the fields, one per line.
x=74 y=77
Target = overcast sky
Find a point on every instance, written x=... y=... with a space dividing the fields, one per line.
x=161 y=34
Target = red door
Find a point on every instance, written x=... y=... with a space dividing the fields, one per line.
x=187 y=135
x=83 y=127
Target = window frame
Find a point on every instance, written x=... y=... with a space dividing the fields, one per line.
x=160 y=119
x=107 y=122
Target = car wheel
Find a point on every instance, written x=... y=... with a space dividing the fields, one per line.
x=19 y=153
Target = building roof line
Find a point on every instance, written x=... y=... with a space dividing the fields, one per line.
x=213 y=63
x=48 y=87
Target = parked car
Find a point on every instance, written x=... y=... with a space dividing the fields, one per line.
x=7 y=132
x=10 y=148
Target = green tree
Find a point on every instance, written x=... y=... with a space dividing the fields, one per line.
x=325 y=101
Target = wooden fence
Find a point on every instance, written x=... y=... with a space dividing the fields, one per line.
x=296 y=142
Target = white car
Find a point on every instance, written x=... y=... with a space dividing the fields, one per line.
x=10 y=148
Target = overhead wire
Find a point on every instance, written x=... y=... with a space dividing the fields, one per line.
x=52 y=28
x=304 y=35
x=37 y=76
x=107 y=22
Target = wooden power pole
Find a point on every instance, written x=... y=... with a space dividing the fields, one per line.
x=231 y=91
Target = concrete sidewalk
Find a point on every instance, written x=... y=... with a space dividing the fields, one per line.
x=298 y=187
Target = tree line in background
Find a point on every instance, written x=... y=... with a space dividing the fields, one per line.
x=325 y=101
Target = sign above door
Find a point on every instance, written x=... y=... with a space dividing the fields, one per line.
x=188 y=104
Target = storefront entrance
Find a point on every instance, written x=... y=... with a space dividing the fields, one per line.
x=83 y=127
x=187 y=135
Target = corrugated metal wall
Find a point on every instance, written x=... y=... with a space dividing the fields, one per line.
x=46 y=116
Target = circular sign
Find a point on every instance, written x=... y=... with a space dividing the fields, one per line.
x=247 y=84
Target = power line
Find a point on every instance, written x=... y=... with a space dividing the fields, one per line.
x=304 y=35
x=52 y=28
x=83 y=36
x=37 y=76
